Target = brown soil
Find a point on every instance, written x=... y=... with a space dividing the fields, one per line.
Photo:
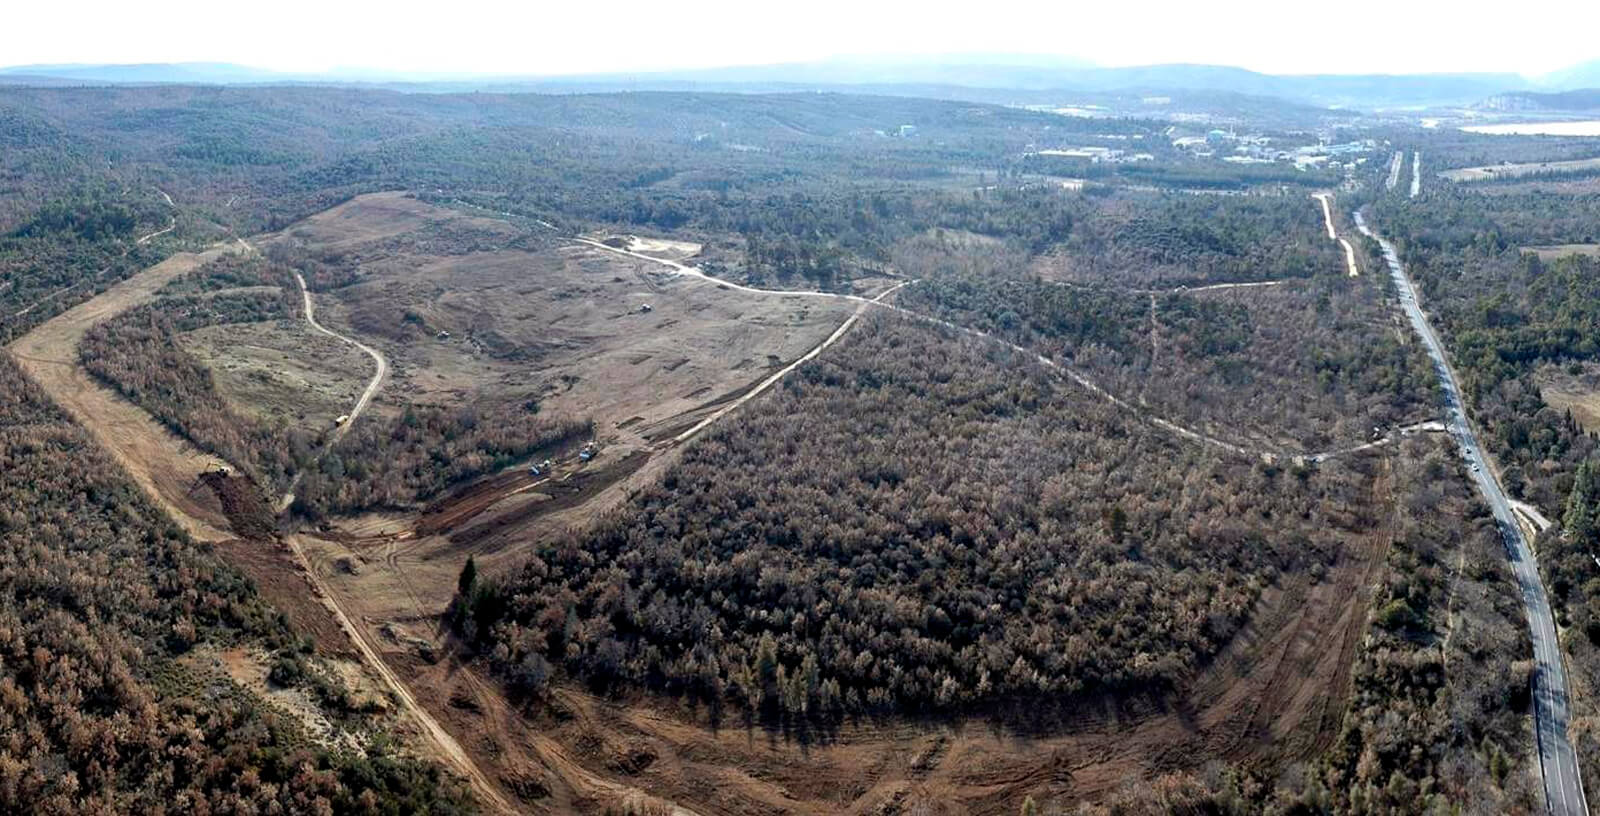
x=283 y=584
x=458 y=516
x=241 y=502
x=161 y=463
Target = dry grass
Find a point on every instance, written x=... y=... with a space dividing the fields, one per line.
x=281 y=371
x=1511 y=171
x=1577 y=392
x=1550 y=253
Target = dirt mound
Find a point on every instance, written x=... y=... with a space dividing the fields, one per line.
x=247 y=512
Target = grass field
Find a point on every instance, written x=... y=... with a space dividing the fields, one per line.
x=1514 y=171
x=1550 y=253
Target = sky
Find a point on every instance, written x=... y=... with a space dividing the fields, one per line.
x=567 y=37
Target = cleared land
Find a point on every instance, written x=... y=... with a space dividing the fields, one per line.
x=1578 y=393
x=1551 y=252
x=283 y=371
x=1509 y=170
x=505 y=317
x=562 y=323
x=165 y=466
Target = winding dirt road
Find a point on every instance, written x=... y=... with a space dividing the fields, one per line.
x=1059 y=368
x=361 y=402
x=172 y=225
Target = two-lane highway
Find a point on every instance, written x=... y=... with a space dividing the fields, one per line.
x=1558 y=764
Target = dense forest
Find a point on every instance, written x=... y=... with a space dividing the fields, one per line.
x=69 y=249
x=413 y=458
x=1438 y=718
x=1174 y=240
x=101 y=597
x=1306 y=366
x=860 y=542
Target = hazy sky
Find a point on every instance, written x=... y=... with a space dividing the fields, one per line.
x=543 y=37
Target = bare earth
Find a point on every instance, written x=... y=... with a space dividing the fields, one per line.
x=1550 y=253
x=159 y=461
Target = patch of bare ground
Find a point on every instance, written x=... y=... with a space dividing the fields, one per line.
x=281 y=371
x=1573 y=389
x=1508 y=170
x=249 y=670
x=278 y=578
x=565 y=324
x=1554 y=251
x=375 y=217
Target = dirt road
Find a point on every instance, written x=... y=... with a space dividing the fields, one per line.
x=770 y=381
x=361 y=402
x=164 y=465
x=1083 y=381
x=172 y=225
x=1327 y=217
x=447 y=746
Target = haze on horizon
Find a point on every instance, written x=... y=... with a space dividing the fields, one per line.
x=500 y=37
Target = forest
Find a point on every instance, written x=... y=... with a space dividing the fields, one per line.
x=1437 y=722
x=918 y=523
x=101 y=597
x=1304 y=366
x=860 y=542
x=1504 y=313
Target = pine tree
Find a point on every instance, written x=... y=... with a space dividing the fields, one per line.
x=468 y=579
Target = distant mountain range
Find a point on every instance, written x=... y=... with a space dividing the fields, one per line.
x=1581 y=101
x=995 y=75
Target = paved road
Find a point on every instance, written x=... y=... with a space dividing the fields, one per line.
x=1558 y=763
